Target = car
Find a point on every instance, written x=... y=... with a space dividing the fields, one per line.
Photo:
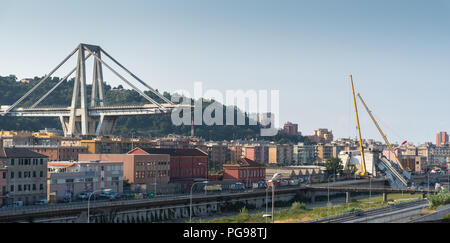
x=114 y=196
x=41 y=202
x=84 y=195
x=17 y=204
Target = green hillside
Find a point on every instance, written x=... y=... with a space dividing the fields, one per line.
x=145 y=126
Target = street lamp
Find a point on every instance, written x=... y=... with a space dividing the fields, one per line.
x=190 y=205
x=328 y=203
x=266 y=215
x=89 y=198
x=276 y=177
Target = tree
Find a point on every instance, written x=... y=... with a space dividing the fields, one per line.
x=333 y=166
x=350 y=170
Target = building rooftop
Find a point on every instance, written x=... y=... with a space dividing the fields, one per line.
x=244 y=162
x=22 y=153
x=174 y=151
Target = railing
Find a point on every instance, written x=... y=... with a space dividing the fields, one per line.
x=394 y=171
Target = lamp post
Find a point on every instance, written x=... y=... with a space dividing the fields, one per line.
x=267 y=190
x=276 y=177
x=89 y=198
x=328 y=194
x=190 y=205
x=448 y=181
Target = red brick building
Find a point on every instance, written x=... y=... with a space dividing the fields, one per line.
x=291 y=128
x=441 y=138
x=245 y=170
x=186 y=165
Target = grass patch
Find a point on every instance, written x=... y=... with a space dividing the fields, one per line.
x=298 y=211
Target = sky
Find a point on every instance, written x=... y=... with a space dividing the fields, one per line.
x=397 y=51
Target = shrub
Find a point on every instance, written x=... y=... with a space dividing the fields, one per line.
x=442 y=198
x=298 y=206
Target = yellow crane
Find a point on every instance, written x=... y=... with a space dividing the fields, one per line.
x=379 y=129
x=364 y=172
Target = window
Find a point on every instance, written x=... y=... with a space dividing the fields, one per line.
x=12 y=175
x=41 y=187
x=34 y=187
x=19 y=188
x=41 y=174
x=34 y=173
x=42 y=161
x=12 y=188
x=12 y=161
x=4 y=175
x=20 y=174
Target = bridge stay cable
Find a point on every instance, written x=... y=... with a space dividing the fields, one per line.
x=56 y=85
x=138 y=79
x=126 y=81
x=39 y=83
x=93 y=118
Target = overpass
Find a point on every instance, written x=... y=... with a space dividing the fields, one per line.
x=176 y=206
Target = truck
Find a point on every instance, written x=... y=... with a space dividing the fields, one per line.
x=213 y=187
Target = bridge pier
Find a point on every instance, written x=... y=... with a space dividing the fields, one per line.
x=348 y=197
x=385 y=196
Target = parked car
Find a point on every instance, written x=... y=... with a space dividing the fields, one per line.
x=293 y=182
x=84 y=195
x=262 y=184
x=237 y=186
x=18 y=204
x=114 y=196
x=41 y=202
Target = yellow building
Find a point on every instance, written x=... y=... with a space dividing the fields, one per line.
x=114 y=145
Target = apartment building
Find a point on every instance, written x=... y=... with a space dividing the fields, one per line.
x=66 y=180
x=323 y=152
x=25 y=174
x=257 y=152
x=321 y=135
x=441 y=138
x=236 y=152
x=303 y=154
x=3 y=184
x=186 y=165
x=144 y=170
x=290 y=128
x=280 y=154
x=114 y=145
x=58 y=153
x=218 y=153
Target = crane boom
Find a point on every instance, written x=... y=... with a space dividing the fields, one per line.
x=379 y=129
x=359 y=130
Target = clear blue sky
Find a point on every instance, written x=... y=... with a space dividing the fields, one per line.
x=398 y=52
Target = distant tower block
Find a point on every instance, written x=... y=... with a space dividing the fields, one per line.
x=192 y=126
